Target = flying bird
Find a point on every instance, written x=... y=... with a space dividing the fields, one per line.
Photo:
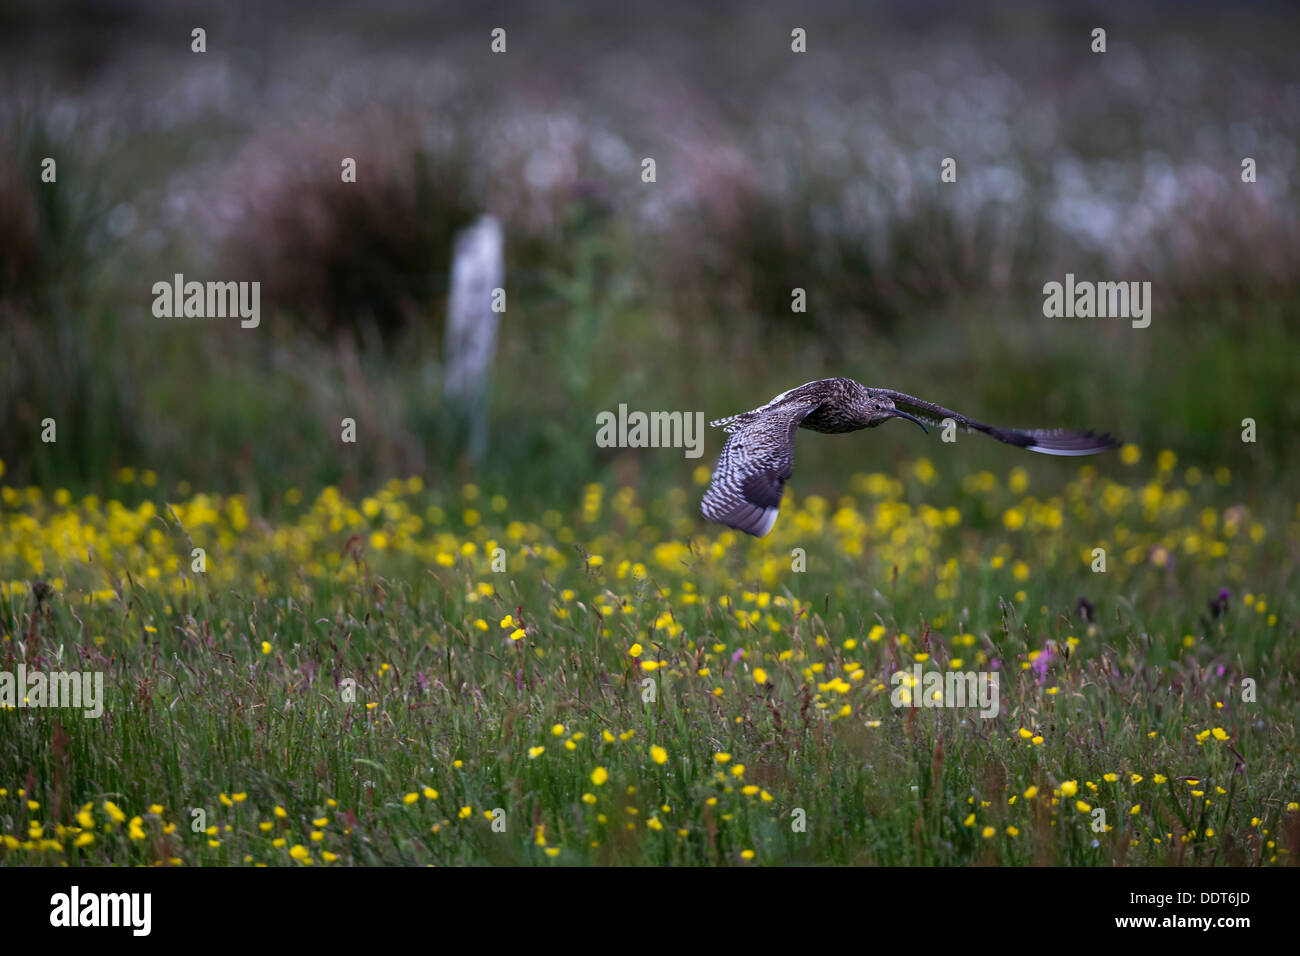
x=758 y=457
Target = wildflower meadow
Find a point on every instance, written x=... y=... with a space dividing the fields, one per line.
x=413 y=678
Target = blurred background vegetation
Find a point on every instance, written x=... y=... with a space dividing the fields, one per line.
x=775 y=171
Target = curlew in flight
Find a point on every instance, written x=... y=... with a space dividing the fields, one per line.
x=758 y=458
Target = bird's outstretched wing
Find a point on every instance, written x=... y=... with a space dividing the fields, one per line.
x=1051 y=442
x=752 y=470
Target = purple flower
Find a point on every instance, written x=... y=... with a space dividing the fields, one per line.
x=1040 y=664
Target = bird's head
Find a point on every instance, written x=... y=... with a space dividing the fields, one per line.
x=880 y=408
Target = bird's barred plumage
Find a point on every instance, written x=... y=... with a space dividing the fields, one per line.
x=758 y=457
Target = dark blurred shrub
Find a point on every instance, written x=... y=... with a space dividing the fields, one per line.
x=50 y=230
x=859 y=274
x=355 y=258
x=56 y=354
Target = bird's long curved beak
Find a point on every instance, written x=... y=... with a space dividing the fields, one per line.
x=910 y=418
